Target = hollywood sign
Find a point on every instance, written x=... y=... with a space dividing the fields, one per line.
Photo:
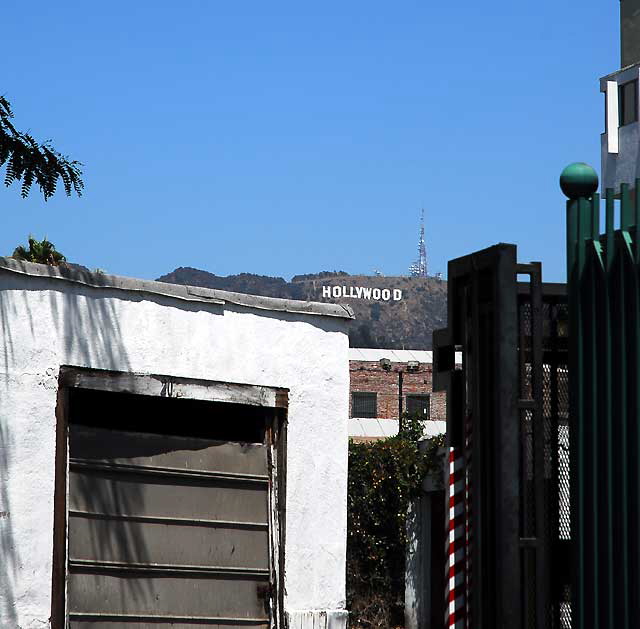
x=360 y=292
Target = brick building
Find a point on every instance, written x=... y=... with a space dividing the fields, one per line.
x=385 y=383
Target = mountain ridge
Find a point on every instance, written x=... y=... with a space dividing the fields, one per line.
x=387 y=322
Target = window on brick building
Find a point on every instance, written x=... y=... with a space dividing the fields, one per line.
x=364 y=404
x=418 y=404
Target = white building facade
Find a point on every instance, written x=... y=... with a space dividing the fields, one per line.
x=106 y=345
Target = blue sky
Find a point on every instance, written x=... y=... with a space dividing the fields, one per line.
x=292 y=137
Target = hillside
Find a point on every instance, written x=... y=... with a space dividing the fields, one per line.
x=405 y=322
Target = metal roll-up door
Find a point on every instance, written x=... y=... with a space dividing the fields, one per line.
x=166 y=531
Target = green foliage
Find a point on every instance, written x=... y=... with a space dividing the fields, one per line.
x=384 y=477
x=41 y=251
x=30 y=161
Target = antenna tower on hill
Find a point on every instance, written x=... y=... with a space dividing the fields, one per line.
x=419 y=267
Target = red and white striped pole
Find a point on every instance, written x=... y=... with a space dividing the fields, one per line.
x=456 y=544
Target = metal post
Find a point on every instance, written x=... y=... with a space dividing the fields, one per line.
x=579 y=182
x=483 y=320
x=400 y=409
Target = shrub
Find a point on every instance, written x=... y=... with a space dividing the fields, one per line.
x=384 y=477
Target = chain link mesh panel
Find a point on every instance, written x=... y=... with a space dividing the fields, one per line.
x=549 y=526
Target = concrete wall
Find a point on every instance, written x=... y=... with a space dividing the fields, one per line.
x=619 y=146
x=47 y=323
x=629 y=32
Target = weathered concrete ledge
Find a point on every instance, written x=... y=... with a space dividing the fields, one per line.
x=176 y=291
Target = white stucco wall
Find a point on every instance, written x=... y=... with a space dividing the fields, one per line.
x=47 y=323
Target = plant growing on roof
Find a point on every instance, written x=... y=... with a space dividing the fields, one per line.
x=41 y=251
x=32 y=162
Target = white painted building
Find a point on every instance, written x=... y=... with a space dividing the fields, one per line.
x=107 y=477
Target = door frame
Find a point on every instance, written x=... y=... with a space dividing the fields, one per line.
x=274 y=399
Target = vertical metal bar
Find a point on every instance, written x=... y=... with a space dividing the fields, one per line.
x=595 y=217
x=542 y=572
x=526 y=514
x=630 y=316
x=400 y=394
x=621 y=418
x=606 y=332
x=505 y=390
x=554 y=491
x=602 y=296
x=593 y=434
x=477 y=550
x=634 y=415
x=576 y=434
x=588 y=423
x=481 y=566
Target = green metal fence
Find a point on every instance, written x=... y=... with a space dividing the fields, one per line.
x=603 y=274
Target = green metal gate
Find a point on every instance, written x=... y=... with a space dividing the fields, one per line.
x=603 y=286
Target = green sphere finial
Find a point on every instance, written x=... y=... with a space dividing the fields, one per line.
x=578 y=180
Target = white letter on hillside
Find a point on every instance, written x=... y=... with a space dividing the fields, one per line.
x=397 y=294
x=326 y=291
